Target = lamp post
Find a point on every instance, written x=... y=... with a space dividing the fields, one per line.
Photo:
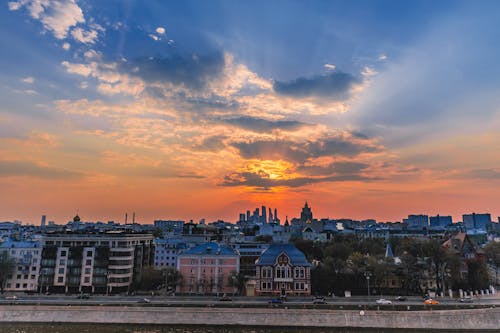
x=367 y=276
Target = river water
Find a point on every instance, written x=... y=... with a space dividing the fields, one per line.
x=122 y=328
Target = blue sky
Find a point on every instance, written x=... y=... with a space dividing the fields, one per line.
x=356 y=105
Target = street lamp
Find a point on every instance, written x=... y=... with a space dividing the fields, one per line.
x=367 y=276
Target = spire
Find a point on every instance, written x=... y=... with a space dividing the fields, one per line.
x=388 y=251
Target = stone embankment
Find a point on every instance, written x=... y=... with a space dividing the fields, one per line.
x=467 y=320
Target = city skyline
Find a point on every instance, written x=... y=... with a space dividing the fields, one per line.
x=196 y=109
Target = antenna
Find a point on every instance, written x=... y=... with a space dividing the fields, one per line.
x=126 y=218
x=133 y=217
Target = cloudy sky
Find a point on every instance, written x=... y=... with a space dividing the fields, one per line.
x=204 y=109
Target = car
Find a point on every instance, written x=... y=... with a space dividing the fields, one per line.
x=466 y=299
x=11 y=298
x=431 y=301
x=144 y=300
x=319 y=300
x=400 y=299
x=383 y=301
x=83 y=296
x=275 y=301
x=225 y=298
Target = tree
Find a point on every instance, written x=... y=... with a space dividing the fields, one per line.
x=7 y=266
x=237 y=280
x=492 y=252
x=172 y=278
x=151 y=279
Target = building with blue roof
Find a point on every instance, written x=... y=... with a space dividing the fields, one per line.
x=208 y=269
x=283 y=270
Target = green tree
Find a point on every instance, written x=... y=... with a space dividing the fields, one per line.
x=7 y=266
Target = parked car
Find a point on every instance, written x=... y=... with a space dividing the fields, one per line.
x=383 y=301
x=431 y=301
x=275 y=301
x=11 y=298
x=400 y=298
x=466 y=299
x=225 y=298
x=83 y=296
x=144 y=300
x=319 y=300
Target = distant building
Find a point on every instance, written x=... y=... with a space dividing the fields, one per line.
x=417 y=221
x=283 y=270
x=170 y=226
x=440 y=221
x=207 y=269
x=27 y=257
x=461 y=245
x=476 y=221
x=166 y=252
x=306 y=215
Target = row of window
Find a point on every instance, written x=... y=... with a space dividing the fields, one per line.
x=206 y=261
x=283 y=272
x=269 y=286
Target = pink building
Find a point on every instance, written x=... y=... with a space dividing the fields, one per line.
x=207 y=269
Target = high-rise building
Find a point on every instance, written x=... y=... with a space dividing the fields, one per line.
x=476 y=221
x=417 y=221
x=27 y=257
x=42 y=224
x=242 y=217
x=440 y=221
x=263 y=218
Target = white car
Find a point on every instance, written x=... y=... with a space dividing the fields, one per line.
x=383 y=301
x=11 y=298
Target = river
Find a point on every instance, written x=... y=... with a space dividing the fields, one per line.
x=122 y=328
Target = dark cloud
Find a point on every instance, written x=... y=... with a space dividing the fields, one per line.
x=30 y=169
x=259 y=181
x=334 y=86
x=339 y=168
x=299 y=152
x=262 y=125
x=212 y=143
x=191 y=71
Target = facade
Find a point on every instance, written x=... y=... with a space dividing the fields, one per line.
x=462 y=246
x=283 y=270
x=103 y=263
x=170 y=226
x=440 y=221
x=207 y=269
x=417 y=221
x=476 y=221
x=249 y=253
x=167 y=251
x=27 y=256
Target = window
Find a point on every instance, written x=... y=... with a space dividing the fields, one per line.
x=18 y=285
x=63 y=253
x=86 y=279
x=87 y=270
x=25 y=285
x=61 y=270
x=60 y=279
x=88 y=262
x=62 y=262
x=89 y=253
x=33 y=276
x=33 y=268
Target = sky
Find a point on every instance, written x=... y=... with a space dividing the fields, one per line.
x=205 y=109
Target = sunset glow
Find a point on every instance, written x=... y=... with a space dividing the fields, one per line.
x=204 y=109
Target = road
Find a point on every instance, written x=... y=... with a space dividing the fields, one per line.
x=211 y=300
